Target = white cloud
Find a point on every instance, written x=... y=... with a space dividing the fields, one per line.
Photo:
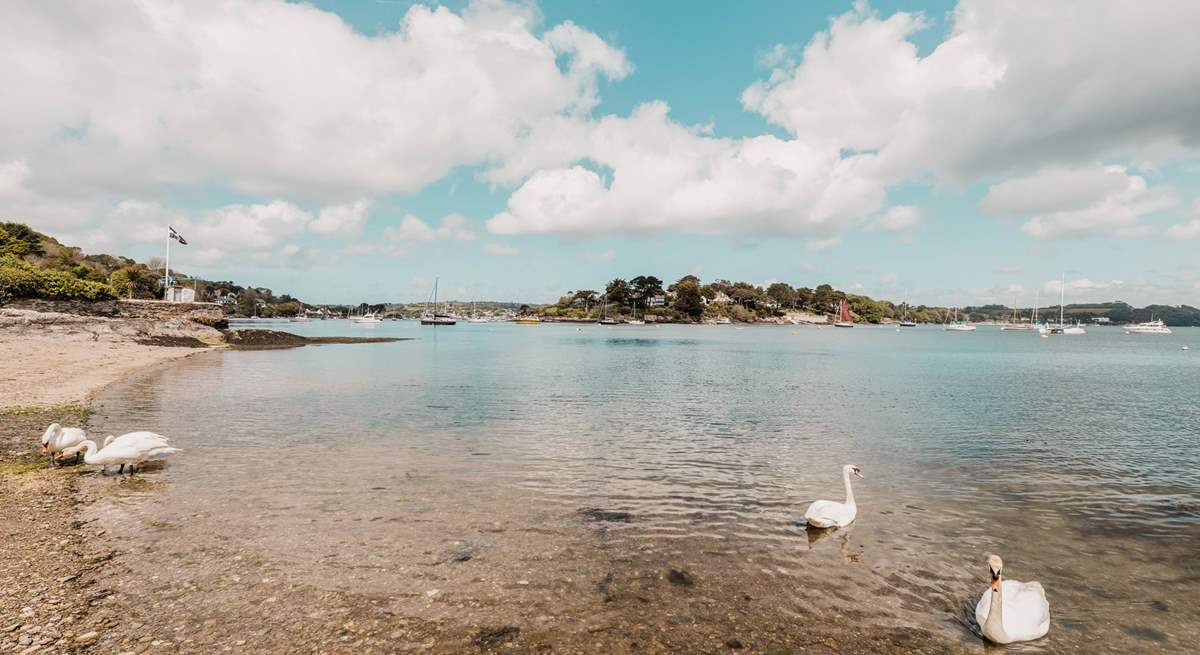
x=197 y=97
x=888 y=278
x=501 y=249
x=821 y=245
x=346 y=221
x=1188 y=230
x=654 y=175
x=12 y=178
x=411 y=228
x=1079 y=285
x=274 y=98
x=988 y=98
x=1084 y=201
x=901 y=217
x=865 y=112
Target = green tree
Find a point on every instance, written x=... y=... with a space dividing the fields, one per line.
x=804 y=297
x=782 y=293
x=645 y=287
x=618 y=292
x=10 y=245
x=688 y=299
x=824 y=298
x=683 y=280
x=22 y=232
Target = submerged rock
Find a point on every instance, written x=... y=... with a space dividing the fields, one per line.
x=597 y=514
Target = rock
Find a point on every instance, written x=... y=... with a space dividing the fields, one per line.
x=680 y=578
x=492 y=637
x=733 y=643
x=87 y=638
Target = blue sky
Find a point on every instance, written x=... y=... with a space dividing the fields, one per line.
x=959 y=153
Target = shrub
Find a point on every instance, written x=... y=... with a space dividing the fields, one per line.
x=20 y=279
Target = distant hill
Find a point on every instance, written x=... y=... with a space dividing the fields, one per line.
x=35 y=265
x=1116 y=312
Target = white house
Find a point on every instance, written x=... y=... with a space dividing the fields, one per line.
x=177 y=293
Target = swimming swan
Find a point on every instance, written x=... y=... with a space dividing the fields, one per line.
x=1021 y=610
x=56 y=439
x=827 y=513
x=129 y=449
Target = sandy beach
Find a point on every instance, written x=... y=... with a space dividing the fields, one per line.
x=45 y=369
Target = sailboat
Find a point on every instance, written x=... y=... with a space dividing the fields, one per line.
x=844 y=320
x=959 y=326
x=1062 y=327
x=368 y=318
x=1016 y=323
x=905 y=321
x=432 y=317
x=634 y=320
x=474 y=318
x=604 y=319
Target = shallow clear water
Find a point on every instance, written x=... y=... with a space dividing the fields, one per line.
x=447 y=475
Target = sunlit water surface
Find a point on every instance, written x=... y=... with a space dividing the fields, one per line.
x=451 y=475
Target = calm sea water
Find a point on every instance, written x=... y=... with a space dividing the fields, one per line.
x=454 y=476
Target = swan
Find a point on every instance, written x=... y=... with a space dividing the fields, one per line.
x=130 y=449
x=57 y=439
x=1021 y=610
x=827 y=513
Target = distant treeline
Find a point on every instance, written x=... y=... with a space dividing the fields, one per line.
x=691 y=300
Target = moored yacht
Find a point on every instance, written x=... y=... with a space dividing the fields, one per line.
x=1149 y=327
x=432 y=317
x=957 y=325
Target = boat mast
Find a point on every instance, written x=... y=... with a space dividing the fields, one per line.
x=1062 y=296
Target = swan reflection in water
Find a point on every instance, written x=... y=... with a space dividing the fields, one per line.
x=816 y=535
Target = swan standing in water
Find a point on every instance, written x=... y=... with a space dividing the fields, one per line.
x=130 y=449
x=828 y=513
x=57 y=439
x=1012 y=611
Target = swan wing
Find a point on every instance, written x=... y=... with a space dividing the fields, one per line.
x=983 y=606
x=1026 y=610
x=71 y=437
x=156 y=454
x=140 y=440
x=827 y=514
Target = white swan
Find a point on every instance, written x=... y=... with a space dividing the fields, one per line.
x=1021 y=611
x=828 y=513
x=129 y=449
x=56 y=439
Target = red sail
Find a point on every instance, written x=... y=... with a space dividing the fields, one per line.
x=845 y=312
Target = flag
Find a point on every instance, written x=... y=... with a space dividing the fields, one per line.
x=175 y=235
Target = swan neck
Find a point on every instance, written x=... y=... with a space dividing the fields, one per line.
x=89 y=449
x=849 y=491
x=993 y=627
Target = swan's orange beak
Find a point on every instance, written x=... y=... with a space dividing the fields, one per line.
x=995 y=584
x=45 y=448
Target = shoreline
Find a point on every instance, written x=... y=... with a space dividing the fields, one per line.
x=57 y=575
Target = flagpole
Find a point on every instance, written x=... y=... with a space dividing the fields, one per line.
x=167 y=267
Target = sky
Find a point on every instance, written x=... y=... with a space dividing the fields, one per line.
x=948 y=153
